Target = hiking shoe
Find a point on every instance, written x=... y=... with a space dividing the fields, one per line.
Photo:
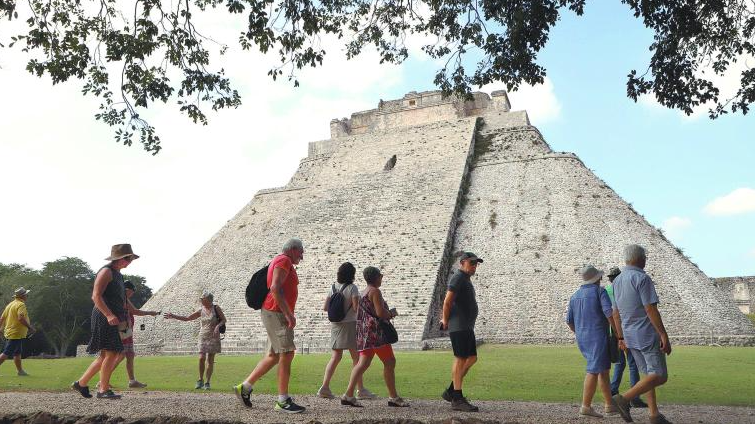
x=587 y=411
x=638 y=403
x=325 y=393
x=206 y=386
x=365 y=394
x=289 y=407
x=622 y=405
x=135 y=384
x=463 y=405
x=447 y=396
x=244 y=396
x=84 y=390
x=610 y=411
x=350 y=401
x=659 y=419
x=397 y=402
x=199 y=385
x=107 y=394
x=22 y=373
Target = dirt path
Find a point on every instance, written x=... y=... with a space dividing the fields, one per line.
x=225 y=407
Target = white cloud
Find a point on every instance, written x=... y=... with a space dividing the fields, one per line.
x=739 y=201
x=539 y=101
x=751 y=253
x=675 y=226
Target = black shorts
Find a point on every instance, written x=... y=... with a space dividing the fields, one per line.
x=463 y=343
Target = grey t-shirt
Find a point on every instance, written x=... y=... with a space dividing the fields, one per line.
x=632 y=291
x=464 y=309
x=350 y=292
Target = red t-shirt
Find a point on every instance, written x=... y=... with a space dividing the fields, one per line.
x=290 y=284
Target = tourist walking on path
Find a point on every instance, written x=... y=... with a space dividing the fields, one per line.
x=640 y=331
x=343 y=333
x=371 y=340
x=211 y=318
x=109 y=322
x=278 y=318
x=589 y=316
x=624 y=358
x=128 y=343
x=16 y=326
x=459 y=317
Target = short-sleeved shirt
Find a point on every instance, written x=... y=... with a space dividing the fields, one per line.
x=633 y=289
x=588 y=309
x=290 y=284
x=12 y=314
x=350 y=292
x=464 y=309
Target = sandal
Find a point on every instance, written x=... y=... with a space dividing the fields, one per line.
x=83 y=390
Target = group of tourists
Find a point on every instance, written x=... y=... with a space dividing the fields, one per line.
x=619 y=323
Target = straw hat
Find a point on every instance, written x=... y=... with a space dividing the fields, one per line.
x=21 y=292
x=120 y=251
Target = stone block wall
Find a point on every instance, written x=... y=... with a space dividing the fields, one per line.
x=537 y=217
x=345 y=208
x=741 y=290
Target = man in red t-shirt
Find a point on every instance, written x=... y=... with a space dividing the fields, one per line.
x=279 y=320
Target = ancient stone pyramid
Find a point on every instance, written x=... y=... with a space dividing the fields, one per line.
x=406 y=185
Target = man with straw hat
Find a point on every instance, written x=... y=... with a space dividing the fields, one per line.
x=15 y=319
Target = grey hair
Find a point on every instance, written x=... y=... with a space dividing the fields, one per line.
x=634 y=252
x=206 y=294
x=293 y=243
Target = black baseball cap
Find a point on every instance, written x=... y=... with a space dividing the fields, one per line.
x=469 y=256
x=129 y=285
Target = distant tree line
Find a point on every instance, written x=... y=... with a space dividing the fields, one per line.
x=60 y=302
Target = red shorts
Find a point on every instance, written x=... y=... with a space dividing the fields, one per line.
x=383 y=352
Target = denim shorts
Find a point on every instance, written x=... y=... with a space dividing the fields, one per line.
x=651 y=360
x=13 y=347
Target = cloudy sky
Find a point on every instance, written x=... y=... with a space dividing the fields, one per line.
x=69 y=190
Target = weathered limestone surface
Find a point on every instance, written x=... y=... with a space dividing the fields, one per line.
x=538 y=216
x=739 y=289
x=468 y=175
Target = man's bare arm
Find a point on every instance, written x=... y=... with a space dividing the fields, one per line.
x=657 y=322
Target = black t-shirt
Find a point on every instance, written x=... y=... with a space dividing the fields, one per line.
x=464 y=309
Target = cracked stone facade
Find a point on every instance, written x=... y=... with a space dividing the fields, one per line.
x=468 y=175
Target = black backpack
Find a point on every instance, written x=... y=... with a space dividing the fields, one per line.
x=221 y=330
x=336 y=307
x=257 y=290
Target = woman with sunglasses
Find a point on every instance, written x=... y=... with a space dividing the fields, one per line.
x=109 y=323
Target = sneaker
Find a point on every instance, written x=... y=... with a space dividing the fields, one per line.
x=587 y=411
x=107 y=394
x=289 y=407
x=397 y=402
x=350 y=401
x=135 y=384
x=622 y=405
x=199 y=385
x=463 y=405
x=244 y=396
x=22 y=373
x=366 y=394
x=84 y=390
x=659 y=419
x=206 y=386
x=325 y=393
x=610 y=411
x=638 y=403
x=447 y=396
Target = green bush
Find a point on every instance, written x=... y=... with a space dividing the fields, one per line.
x=752 y=318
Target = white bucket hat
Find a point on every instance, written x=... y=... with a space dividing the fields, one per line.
x=590 y=274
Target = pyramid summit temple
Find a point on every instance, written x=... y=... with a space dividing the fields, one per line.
x=407 y=185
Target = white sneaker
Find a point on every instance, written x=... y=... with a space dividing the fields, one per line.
x=325 y=393
x=366 y=394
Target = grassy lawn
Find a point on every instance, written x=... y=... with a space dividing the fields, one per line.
x=698 y=375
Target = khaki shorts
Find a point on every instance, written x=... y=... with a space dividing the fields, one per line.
x=343 y=335
x=280 y=338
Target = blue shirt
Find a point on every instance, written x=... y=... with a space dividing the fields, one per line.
x=633 y=289
x=588 y=309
